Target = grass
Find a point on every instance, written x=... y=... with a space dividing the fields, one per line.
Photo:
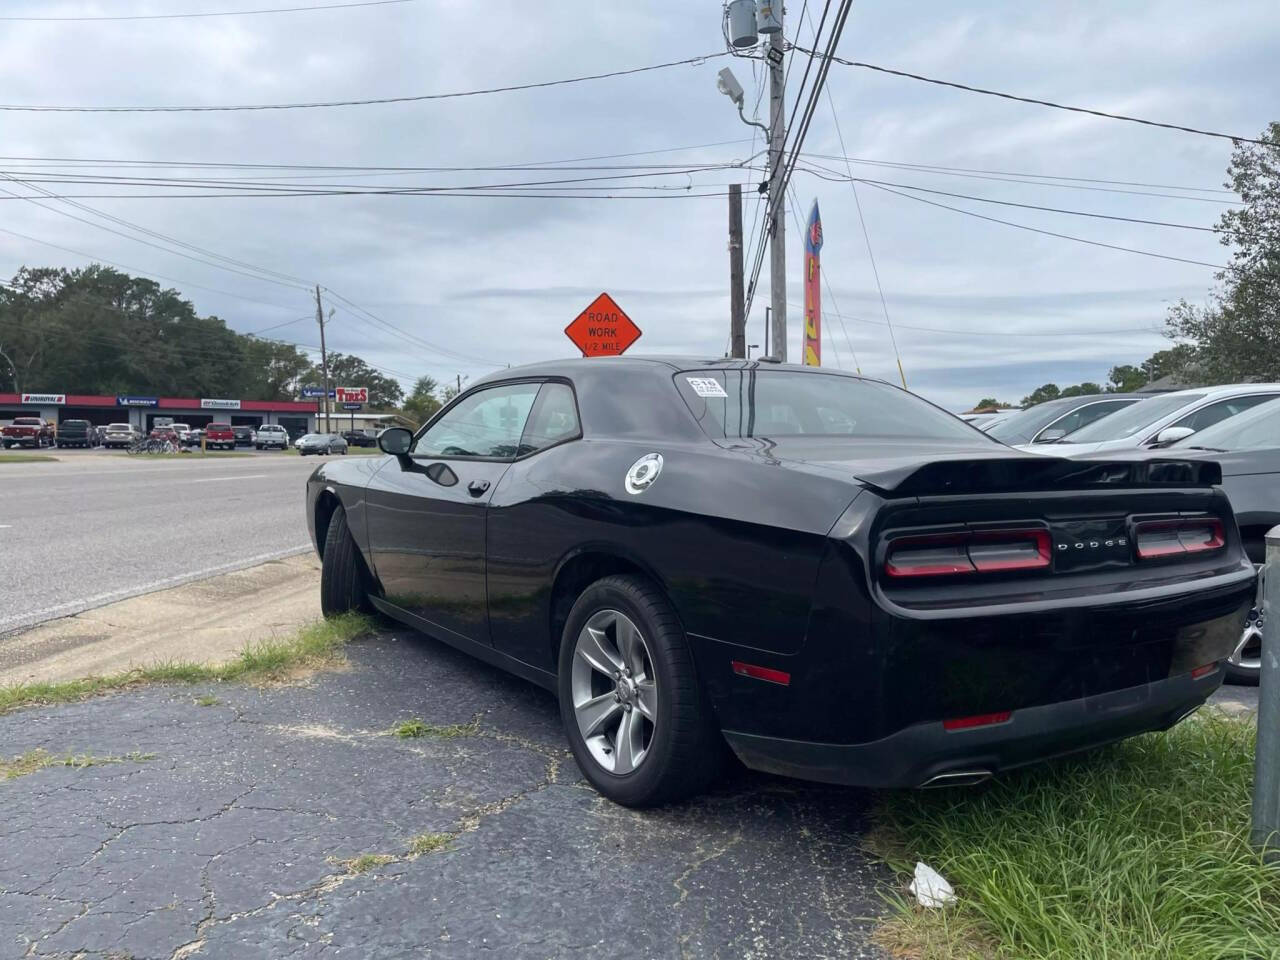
x=363 y=863
x=207 y=700
x=187 y=455
x=36 y=760
x=428 y=843
x=351 y=451
x=315 y=645
x=1137 y=851
x=412 y=729
x=26 y=458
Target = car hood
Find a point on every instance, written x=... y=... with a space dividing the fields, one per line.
x=913 y=467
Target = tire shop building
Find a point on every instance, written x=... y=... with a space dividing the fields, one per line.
x=296 y=416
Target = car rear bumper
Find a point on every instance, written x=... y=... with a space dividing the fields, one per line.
x=928 y=754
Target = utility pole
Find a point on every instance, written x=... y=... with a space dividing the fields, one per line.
x=1265 y=829
x=459 y=384
x=737 y=301
x=324 y=359
x=777 y=199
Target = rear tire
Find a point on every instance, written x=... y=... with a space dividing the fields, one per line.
x=343 y=582
x=680 y=750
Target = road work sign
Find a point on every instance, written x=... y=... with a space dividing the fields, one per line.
x=602 y=330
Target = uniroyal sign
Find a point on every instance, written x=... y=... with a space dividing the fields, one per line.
x=56 y=399
x=351 y=394
x=207 y=404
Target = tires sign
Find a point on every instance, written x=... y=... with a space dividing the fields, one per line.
x=351 y=394
x=207 y=404
x=136 y=401
x=56 y=399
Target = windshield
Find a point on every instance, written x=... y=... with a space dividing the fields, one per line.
x=1259 y=427
x=1020 y=427
x=1134 y=419
x=784 y=403
x=117 y=426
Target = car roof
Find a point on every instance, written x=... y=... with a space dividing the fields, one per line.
x=657 y=364
x=1222 y=390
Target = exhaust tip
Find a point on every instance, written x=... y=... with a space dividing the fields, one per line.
x=956 y=778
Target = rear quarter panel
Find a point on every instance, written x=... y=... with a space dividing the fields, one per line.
x=734 y=540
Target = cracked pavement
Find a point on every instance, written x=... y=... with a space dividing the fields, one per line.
x=228 y=842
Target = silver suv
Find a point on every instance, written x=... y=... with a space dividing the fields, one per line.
x=271 y=435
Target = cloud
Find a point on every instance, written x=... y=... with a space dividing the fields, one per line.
x=498 y=279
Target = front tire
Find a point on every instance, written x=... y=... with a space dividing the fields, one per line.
x=634 y=713
x=343 y=584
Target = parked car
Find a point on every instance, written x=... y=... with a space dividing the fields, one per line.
x=76 y=433
x=1051 y=421
x=119 y=434
x=219 y=436
x=193 y=437
x=360 y=438
x=271 y=435
x=1248 y=449
x=245 y=436
x=27 y=432
x=838 y=579
x=320 y=443
x=1163 y=418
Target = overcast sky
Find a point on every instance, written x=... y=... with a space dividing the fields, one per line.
x=980 y=308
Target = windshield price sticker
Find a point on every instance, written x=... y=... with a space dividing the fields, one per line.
x=706 y=387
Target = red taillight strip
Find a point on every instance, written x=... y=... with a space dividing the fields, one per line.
x=1204 y=671
x=756 y=672
x=965 y=561
x=1178 y=546
x=978 y=720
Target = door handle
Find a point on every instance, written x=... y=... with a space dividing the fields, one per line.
x=477 y=487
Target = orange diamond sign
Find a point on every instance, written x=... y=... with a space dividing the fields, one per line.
x=602 y=330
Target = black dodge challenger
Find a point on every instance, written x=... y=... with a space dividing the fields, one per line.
x=837 y=579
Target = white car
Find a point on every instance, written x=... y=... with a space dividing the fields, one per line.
x=1161 y=419
x=271 y=435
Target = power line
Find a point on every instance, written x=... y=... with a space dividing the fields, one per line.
x=211 y=13
x=1048 y=233
x=415 y=98
x=975 y=171
x=1034 y=206
x=1047 y=103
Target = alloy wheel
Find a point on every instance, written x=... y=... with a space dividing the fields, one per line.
x=1248 y=652
x=614 y=691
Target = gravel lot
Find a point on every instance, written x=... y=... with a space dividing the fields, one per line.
x=223 y=831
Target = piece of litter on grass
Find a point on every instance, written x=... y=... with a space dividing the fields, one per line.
x=930 y=887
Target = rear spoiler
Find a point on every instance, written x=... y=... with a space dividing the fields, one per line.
x=1008 y=474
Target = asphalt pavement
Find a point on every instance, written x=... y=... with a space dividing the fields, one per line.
x=94 y=527
x=233 y=820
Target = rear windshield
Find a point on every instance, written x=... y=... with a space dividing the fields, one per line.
x=1133 y=419
x=117 y=426
x=219 y=426
x=780 y=403
x=75 y=423
x=27 y=421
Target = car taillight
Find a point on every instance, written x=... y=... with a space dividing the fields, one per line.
x=986 y=551
x=1170 y=538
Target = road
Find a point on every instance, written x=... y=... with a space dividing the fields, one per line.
x=91 y=529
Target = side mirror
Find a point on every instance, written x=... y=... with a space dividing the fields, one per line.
x=395 y=440
x=1051 y=436
x=1172 y=435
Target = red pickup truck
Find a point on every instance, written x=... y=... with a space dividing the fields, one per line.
x=218 y=435
x=27 y=432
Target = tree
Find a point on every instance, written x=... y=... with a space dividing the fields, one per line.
x=1085 y=389
x=452 y=390
x=422 y=402
x=1048 y=391
x=1236 y=335
x=1126 y=378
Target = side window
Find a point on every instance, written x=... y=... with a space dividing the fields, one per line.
x=1084 y=416
x=486 y=424
x=554 y=419
x=1213 y=413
